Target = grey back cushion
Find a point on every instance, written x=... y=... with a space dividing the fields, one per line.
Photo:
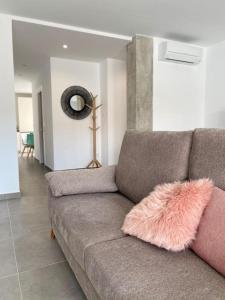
x=207 y=157
x=151 y=158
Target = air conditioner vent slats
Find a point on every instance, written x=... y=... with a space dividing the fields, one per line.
x=180 y=53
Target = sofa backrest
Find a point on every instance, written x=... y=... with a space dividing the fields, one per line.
x=207 y=158
x=151 y=158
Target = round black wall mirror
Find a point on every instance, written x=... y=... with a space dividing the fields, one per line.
x=76 y=102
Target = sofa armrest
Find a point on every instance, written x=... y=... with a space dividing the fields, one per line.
x=82 y=181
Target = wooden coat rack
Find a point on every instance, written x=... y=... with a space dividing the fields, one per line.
x=94 y=163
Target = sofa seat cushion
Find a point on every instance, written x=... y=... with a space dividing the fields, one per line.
x=130 y=269
x=150 y=158
x=87 y=219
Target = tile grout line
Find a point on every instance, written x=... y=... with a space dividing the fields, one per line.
x=43 y=267
x=14 y=251
x=8 y=276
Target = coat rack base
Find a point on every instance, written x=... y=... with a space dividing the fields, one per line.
x=94 y=164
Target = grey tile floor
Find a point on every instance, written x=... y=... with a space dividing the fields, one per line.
x=32 y=266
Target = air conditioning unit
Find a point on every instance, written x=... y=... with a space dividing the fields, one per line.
x=180 y=53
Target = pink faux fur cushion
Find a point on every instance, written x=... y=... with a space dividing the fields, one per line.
x=170 y=215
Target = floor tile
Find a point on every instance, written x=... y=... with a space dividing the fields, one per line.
x=7 y=258
x=5 y=230
x=33 y=190
x=53 y=282
x=9 y=288
x=29 y=220
x=44 y=274
x=3 y=209
x=37 y=250
x=27 y=203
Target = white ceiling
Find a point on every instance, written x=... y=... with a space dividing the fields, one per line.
x=195 y=21
x=34 y=44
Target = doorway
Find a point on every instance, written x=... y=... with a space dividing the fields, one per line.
x=24 y=120
x=41 y=127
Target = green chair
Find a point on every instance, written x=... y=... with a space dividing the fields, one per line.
x=29 y=144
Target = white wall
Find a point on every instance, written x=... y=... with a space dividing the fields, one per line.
x=215 y=87
x=9 y=178
x=114 y=110
x=68 y=142
x=25 y=114
x=22 y=85
x=72 y=139
x=43 y=83
x=179 y=94
x=104 y=111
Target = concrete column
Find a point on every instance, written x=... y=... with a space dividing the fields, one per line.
x=140 y=83
x=9 y=177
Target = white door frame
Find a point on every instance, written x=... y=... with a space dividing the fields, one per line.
x=41 y=125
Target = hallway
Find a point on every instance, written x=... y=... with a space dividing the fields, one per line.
x=32 y=266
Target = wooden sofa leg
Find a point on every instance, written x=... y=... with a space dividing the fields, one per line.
x=52 y=234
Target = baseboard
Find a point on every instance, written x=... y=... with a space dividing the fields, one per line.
x=47 y=167
x=9 y=196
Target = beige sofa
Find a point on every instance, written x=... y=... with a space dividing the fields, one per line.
x=110 y=265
